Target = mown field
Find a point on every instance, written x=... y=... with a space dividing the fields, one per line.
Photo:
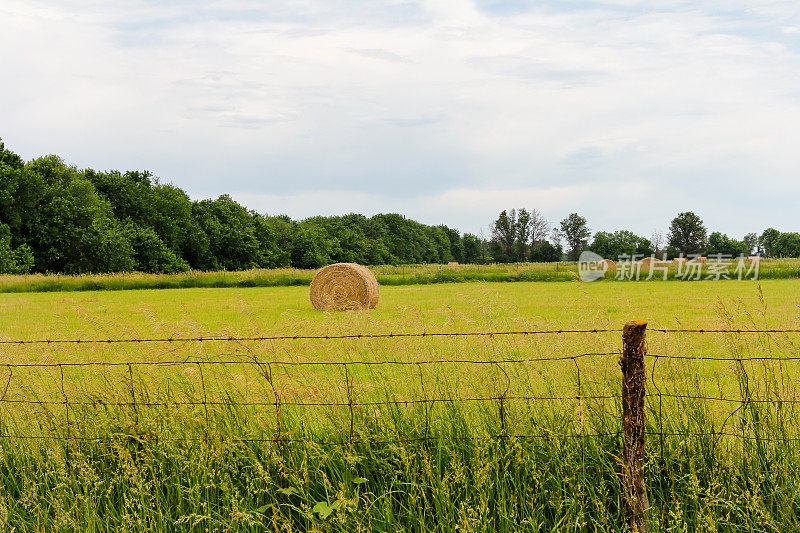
x=415 y=443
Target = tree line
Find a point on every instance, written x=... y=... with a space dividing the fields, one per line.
x=56 y=218
x=514 y=240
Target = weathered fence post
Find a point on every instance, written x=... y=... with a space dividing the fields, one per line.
x=633 y=389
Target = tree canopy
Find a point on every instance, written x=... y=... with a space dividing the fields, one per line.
x=621 y=244
x=687 y=235
x=576 y=232
x=57 y=218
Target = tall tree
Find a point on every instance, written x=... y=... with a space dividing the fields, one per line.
x=523 y=235
x=687 y=234
x=504 y=230
x=767 y=241
x=472 y=248
x=576 y=233
x=751 y=242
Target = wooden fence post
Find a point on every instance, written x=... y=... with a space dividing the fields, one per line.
x=633 y=425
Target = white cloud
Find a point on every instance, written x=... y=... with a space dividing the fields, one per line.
x=444 y=110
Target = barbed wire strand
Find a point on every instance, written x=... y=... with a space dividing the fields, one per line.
x=314 y=337
x=191 y=361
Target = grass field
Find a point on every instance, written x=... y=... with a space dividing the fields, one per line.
x=386 y=275
x=198 y=450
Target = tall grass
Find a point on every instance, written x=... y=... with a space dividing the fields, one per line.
x=286 y=277
x=386 y=275
x=403 y=471
x=189 y=459
x=185 y=447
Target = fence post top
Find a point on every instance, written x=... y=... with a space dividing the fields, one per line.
x=636 y=324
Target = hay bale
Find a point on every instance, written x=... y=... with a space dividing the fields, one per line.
x=344 y=286
x=647 y=264
x=679 y=260
x=702 y=259
x=452 y=264
x=610 y=265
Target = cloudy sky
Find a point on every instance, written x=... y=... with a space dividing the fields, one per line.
x=447 y=111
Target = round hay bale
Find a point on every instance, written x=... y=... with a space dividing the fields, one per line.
x=647 y=261
x=343 y=286
x=610 y=265
x=679 y=260
x=702 y=259
x=452 y=264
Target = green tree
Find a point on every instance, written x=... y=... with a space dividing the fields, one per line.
x=456 y=243
x=787 y=245
x=621 y=244
x=274 y=236
x=687 y=235
x=514 y=232
x=544 y=252
x=522 y=235
x=752 y=244
x=11 y=167
x=149 y=252
x=576 y=232
x=14 y=261
x=767 y=241
x=231 y=234
x=106 y=248
x=504 y=236
x=68 y=225
x=719 y=243
x=309 y=248
x=473 y=249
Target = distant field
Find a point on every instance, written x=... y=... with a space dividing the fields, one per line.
x=288 y=277
x=231 y=424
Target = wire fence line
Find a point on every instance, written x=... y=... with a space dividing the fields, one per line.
x=311 y=337
x=376 y=336
x=631 y=358
x=257 y=361
x=251 y=359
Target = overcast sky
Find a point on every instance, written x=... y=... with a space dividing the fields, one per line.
x=447 y=111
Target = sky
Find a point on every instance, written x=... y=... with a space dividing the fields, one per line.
x=447 y=111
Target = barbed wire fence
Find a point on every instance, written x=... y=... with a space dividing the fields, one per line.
x=633 y=357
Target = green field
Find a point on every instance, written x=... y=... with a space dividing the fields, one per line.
x=386 y=274
x=199 y=446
